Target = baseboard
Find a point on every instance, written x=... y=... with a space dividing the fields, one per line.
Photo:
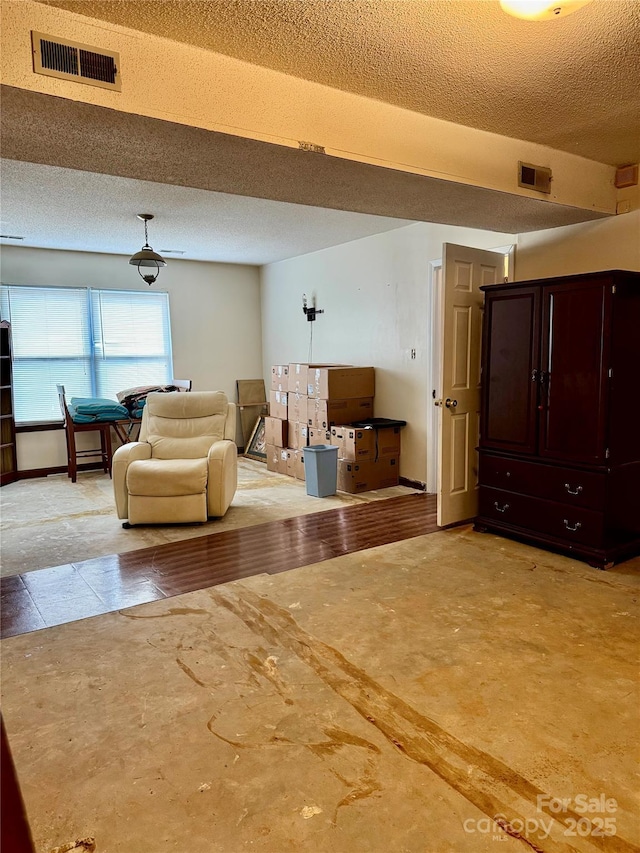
x=32 y=473
x=413 y=484
x=90 y=466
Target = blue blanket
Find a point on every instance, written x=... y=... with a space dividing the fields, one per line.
x=86 y=410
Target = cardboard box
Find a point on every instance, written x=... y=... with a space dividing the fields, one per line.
x=299 y=376
x=298 y=435
x=276 y=459
x=319 y=436
x=323 y=414
x=280 y=377
x=278 y=404
x=354 y=444
x=295 y=463
x=365 y=475
x=276 y=432
x=297 y=406
x=366 y=443
x=387 y=441
x=340 y=383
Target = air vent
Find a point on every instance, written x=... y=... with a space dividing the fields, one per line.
x=69 y=60
x=626 y=176
x=534 y=177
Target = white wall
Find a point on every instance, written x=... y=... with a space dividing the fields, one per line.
x=215 y=320
x=375 y=296
x=607 y=244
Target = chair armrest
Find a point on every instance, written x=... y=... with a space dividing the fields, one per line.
x=222 y=478
x=230 y=426
x=122 y=458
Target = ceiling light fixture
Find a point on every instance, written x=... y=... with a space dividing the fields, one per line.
x=146 y=257
x=541 y=10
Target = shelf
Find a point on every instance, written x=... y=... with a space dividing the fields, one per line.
x=8 y=458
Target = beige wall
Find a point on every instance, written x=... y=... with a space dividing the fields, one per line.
x=375 y=294
x=607 y=244
x=215 y=320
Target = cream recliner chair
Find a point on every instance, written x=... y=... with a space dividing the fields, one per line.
x=184 y=467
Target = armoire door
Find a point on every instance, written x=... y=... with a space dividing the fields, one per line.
x=574 y=372
x=510 y=370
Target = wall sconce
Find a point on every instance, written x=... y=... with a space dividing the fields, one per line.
x=146 y=257
x=310 y=311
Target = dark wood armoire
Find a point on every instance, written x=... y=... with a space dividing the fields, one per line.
x=559 y=444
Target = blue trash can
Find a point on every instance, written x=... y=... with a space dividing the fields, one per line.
x=321 y=470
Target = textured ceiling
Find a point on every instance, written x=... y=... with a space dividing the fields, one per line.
x=205 y=226
x=571 y=83
x=39 y=128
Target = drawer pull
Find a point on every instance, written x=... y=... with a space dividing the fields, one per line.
x=571 y=491
x=571 y=527
x=501 y=508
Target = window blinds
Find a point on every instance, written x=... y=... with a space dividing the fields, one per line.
x=94 y=342
x=131 y=340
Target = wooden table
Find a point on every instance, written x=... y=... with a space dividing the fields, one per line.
x=125 y=430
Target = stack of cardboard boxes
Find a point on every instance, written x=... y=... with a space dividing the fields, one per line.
x=313 y=404
x=368 y=457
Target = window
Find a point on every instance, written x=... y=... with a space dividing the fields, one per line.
x=94 y=342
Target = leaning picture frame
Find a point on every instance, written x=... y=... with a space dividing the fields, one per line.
x=256 y=446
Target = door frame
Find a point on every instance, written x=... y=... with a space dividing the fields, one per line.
x=434 y=355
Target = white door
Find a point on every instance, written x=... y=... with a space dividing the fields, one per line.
x=464 y=271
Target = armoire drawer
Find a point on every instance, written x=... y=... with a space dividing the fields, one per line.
x=564 y=485
x=571 y=524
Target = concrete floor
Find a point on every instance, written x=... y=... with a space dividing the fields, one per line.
x=52 y=521
x=429 y=696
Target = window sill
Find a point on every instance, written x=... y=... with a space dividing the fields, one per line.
x=40 y=426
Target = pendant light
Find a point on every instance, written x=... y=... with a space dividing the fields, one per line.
x=146 y=257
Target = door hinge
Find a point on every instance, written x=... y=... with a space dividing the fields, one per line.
x=610 y=372
x=607 y=453
x=614 y=289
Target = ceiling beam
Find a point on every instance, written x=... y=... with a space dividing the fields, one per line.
x=41 y=128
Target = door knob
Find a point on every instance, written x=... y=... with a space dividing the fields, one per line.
x=450 y=404
x=437 y=402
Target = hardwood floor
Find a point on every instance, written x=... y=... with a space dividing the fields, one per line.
x=67 y=593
